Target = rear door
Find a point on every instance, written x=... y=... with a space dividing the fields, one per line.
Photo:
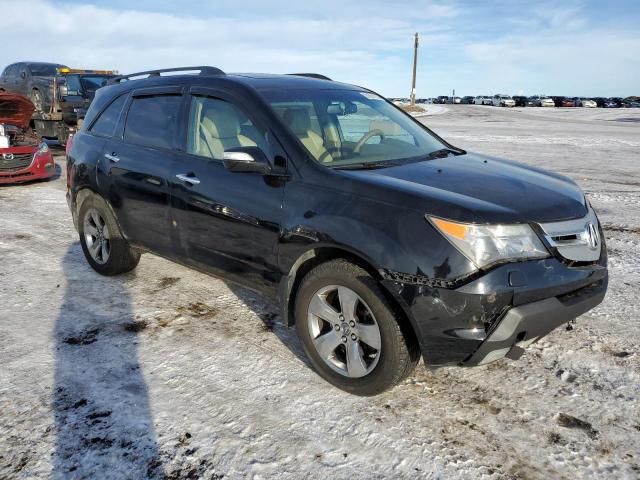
x=228 y=222
x=137 y=163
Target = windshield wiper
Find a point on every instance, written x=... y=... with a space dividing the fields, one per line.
x=443 y=153
x=365 y=165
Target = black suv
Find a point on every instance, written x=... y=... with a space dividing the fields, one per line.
x=381 y=241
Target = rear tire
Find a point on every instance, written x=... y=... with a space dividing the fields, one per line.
x=104 y=247
x=342 y=284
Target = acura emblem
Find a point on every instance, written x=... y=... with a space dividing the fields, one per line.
x=7 y=156
x=593 y=236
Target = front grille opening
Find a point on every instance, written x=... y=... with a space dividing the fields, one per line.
x=18 y=162
x=565 y=238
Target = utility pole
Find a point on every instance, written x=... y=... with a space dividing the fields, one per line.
x=415 y=63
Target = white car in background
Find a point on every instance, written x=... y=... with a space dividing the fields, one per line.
x=482 y=100
x=503 y=101
x=542 y=101
x=585 y=102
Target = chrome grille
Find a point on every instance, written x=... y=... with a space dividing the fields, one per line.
x=12 y=162
x=576 y=240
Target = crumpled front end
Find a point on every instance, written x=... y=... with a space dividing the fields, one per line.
x=490 y=315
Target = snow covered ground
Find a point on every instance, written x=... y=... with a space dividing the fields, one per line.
x=168 y=373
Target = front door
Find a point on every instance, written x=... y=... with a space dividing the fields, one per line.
x=228 y=222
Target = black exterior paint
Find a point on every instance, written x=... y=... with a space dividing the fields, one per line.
x=254 y=229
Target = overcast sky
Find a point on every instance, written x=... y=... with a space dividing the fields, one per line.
x=584 y=48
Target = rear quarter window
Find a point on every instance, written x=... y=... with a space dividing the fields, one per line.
x=153 y=121
x=106 y=123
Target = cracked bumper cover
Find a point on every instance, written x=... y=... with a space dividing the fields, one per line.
x=512 y=305
x=526 y=324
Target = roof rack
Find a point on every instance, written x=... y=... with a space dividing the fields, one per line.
x=311 y=75
x=204 y=70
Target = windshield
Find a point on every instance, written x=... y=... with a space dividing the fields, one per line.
x=43 y=70
x=85 y=83
x=347 y=127
x=91 y=83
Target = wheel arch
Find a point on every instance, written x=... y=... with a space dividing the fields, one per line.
x=80 y=197
x=313 y=257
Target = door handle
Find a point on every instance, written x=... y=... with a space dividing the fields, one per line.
x=112 y=157
x=191 y=180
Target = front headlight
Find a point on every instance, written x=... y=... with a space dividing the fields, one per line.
x=487 y=244
x=42 y=148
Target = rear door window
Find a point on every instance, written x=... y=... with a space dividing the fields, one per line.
x=152 y=121
x=106 y=123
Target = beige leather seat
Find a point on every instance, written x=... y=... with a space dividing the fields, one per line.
x=300 y=123
x=218 y=130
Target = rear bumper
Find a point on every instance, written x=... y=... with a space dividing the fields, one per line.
x=457 y=326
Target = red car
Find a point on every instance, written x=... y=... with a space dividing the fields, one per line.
x=23 y=155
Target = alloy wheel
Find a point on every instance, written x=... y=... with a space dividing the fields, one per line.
x=344 y=331
x=96 y=236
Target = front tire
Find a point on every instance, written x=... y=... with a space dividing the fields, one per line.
x=104 y=247
x=351 y=334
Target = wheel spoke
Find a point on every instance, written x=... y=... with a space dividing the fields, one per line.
x=93 y=249
x=369 y=334
x=326 y=343
x=105 y=251
x=321 y=309
x=96 y=219
x=348 y=300
x=90 y=229
x=355 y=363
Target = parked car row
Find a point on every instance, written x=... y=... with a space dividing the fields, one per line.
x=500 y=100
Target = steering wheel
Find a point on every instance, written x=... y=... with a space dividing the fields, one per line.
x=366 y=137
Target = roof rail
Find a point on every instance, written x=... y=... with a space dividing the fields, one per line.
x=204 y=70
x=311 y=75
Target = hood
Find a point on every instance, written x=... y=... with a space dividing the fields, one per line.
x=479 y=189
x=15 y=110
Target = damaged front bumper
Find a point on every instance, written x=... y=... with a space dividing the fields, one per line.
x=521 y=326
x=499 y=313
x=23 y=164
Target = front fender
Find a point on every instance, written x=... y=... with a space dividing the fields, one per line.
x=386 y=236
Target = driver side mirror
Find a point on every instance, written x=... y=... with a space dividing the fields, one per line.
x=23 y=75
x=246 y=159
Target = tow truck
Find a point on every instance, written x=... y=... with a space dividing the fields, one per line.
x=66 y=101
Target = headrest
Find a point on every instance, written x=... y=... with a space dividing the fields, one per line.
x=220 y=119
x=298 y=120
